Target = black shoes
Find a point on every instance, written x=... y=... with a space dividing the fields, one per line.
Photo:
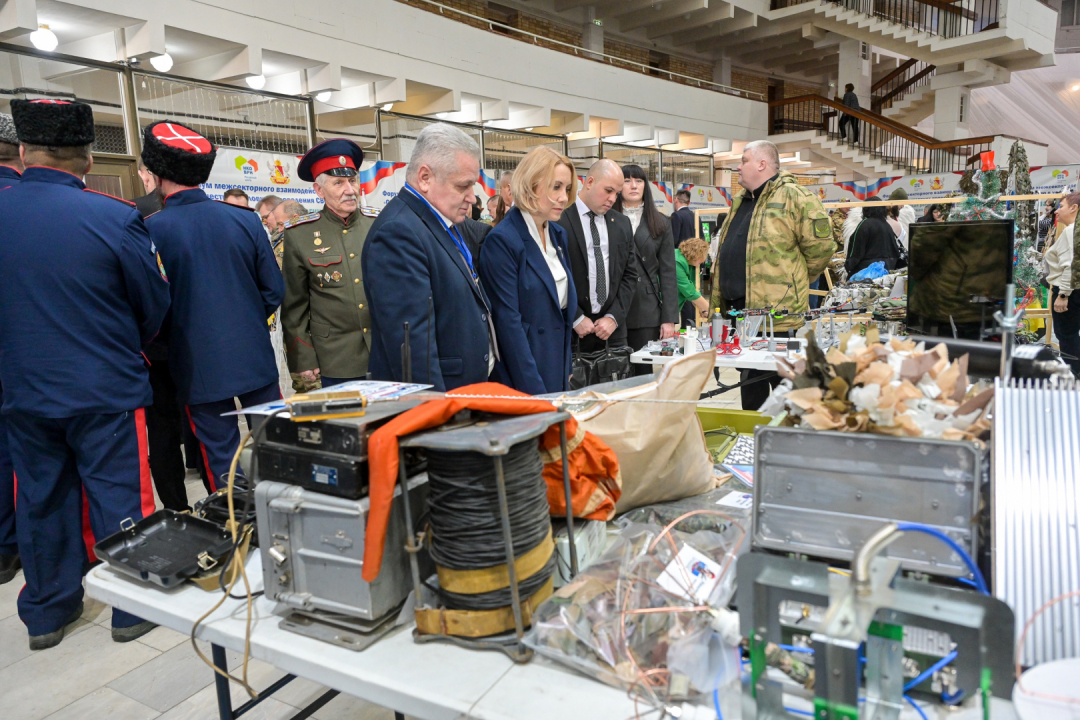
x=9 y=567
x=123 y=635
x=48 y=640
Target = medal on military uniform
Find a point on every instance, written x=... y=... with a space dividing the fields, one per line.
x=336 y=276
x=318 y=238
x=321 y=251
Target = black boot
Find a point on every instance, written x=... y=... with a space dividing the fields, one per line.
x=9 y=567
x=48 y=640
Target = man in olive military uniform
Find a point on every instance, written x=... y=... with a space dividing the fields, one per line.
x=775 y=241
x=325 y=314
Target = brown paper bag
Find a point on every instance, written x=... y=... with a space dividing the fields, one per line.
x=660 y=446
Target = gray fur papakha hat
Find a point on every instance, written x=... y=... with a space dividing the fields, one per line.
x=7 y=130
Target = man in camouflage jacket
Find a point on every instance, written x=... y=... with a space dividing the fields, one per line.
x=788 y=239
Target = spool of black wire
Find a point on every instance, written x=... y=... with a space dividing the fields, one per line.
x=466 y=529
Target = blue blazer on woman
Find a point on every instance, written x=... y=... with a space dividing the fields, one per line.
x=534 y=332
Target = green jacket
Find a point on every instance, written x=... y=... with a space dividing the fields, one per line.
x=687 y=289
x=325 y=315
x=789 y=244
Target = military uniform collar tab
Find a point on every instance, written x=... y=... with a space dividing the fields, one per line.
x=338 y=220
x=9 y=172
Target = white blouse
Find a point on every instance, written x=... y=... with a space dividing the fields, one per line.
x=551 y=255
x=634 y=214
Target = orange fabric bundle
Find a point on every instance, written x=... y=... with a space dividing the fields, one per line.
x=383 y=456
x=595 y=480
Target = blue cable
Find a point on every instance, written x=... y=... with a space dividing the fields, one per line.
x=917 y=708
x=967 y=581
x=931 y=670
x=716 y=703
x=796 y=648
x=799 y=712
x=980 y=582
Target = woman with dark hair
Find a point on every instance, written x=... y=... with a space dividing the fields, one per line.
x=873 y=241
x=933 y=214
x=506 y=200
x=655 y=307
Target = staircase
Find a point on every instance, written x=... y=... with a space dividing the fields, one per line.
x=937 y=31
x=915 y=107
x=885 y=146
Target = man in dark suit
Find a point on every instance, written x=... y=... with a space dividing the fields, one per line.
x=683 y=220
x=419 y=269
x=473 y=232
x=601 y=258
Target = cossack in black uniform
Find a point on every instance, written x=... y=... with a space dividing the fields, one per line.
x=225 y=284
x=9 y=544
x=81 y=290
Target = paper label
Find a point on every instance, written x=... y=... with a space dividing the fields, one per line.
x=741 y=501
x=690 y=575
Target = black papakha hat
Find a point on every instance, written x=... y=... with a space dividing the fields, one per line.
x=175 y=152
x=55 y=123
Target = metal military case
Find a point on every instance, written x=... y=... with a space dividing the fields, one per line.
x=327 y=456
x=313 y=550
x=822 y=494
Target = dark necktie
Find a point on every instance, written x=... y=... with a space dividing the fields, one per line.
x=598 y=256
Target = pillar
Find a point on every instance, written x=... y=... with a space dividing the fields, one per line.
x=592 y=35
x=952 y=107
x=855 y=70
x=722 y=71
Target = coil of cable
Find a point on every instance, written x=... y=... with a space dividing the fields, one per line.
x=466 y=528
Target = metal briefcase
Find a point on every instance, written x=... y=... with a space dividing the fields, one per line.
x=313 y=550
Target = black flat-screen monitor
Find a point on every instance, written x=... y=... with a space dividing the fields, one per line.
x=957 y=273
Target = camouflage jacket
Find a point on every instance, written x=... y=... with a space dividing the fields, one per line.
x=790 y=242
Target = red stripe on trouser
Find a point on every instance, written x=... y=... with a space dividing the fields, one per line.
x=146 y=485
x=87 y=529
x=206 y=459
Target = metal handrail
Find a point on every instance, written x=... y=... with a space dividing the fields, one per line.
x=897 y=84
x=945 y=18
x=587 y=54
x=877 y=136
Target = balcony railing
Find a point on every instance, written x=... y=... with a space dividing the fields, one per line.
x=937 y=17
x=898 y=84
x=879 y=137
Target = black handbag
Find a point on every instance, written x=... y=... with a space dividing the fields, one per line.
x=600 y=366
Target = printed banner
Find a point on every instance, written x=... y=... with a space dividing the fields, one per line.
x=259 y=173
x=1054 y=178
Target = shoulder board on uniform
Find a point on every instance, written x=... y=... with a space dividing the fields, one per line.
x=310 y=217
x=238 y=207
x=368 y=211
x=120 y=199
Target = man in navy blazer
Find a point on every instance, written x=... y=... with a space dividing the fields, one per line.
x=225 y=283
x=418 y=269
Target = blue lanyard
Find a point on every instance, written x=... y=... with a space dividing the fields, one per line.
x=454 y=234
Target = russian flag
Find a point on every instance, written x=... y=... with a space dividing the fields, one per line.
x=664 y=188
x=370 y=178
x=489 y=183
x=726 y=193
x=854 y=188
x=877 y=186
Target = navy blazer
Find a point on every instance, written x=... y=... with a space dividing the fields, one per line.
x=534 y=332
x=80 y=292
x=225 y=283
x=413 y=271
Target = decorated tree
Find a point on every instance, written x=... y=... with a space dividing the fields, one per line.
x=1028 y=261
x=985 y=204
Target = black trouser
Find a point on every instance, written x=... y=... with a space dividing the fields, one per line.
x=1067 y=329
x=165 y=435
x=754 y=396
x=849 y=126
x=688 y=315
x=637 y=338
x=592 y=343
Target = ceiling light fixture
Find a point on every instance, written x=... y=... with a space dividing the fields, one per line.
x=44 y=39
x=1075 y=88
x=162 y=63
x=256 y=82
x=324 y=96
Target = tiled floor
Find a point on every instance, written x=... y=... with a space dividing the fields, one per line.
x=89 y=677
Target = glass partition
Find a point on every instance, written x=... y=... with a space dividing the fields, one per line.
x=504 y=149
x=647 y=158
x=399 y=134
x=684 y=168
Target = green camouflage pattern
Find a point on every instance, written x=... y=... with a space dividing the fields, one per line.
x=784 y=661
x=789 y=244
x=951 y=270
x=302 y=385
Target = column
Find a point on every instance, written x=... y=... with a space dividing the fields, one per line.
x=855 y=70
x=952 y=106
x=722 y=70
x=592 y=35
